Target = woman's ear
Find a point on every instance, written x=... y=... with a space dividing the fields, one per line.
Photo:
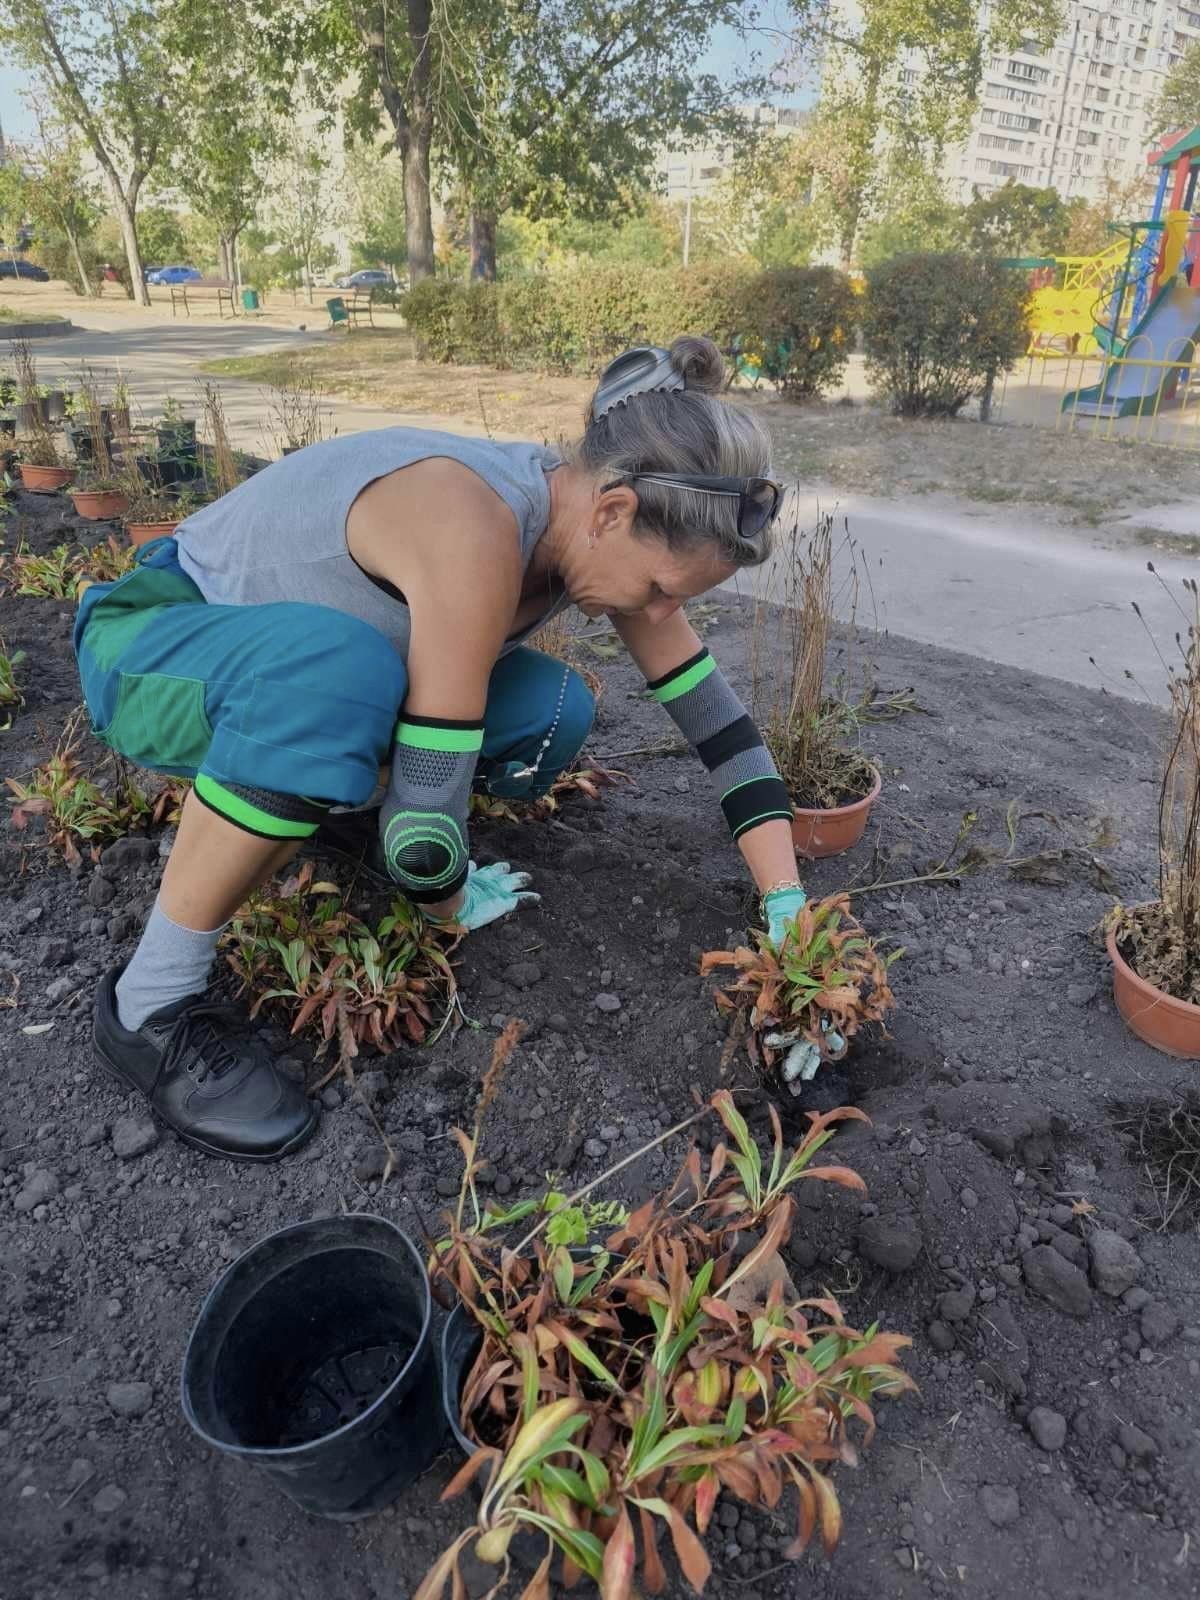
x=615 y=510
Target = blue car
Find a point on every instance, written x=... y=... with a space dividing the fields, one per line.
x=173 y=275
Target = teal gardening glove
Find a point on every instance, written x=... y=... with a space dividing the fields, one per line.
x=780 y=907
x=489 y=894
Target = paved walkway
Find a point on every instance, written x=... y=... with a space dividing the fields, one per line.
x=1029 y=596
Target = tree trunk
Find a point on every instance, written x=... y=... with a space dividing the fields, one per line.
x=84 y=281
x=483 y=244
x=223 y=254
x=418 y=215
x=127 y=218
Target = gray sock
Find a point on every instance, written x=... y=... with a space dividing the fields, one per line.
x=170 y=963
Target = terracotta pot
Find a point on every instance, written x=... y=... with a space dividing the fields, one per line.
x=818 y=833
x=143 y=532
x=99 y=505
x=45 y=477
x=1170 y=1025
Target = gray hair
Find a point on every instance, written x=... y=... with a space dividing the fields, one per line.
x=686 y=430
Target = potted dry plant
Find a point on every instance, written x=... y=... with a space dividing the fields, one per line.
x=1155 y=947
x=152 y=509
x=98 y=494
x=800 y=1003
x=810 y=726
x=606 y=1396
x=40 y=464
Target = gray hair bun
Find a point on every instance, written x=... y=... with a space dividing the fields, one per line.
x=691 y=363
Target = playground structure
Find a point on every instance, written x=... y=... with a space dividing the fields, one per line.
x=1147 y=320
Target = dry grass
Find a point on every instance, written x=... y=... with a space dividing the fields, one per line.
x=849 y=445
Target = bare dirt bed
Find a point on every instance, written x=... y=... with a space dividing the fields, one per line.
x=991 y=1127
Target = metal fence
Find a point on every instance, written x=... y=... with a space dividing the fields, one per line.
x=1137 y=396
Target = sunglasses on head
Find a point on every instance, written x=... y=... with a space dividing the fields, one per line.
x=758 y=498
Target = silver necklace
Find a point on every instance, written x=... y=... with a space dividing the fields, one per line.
x=531 y=772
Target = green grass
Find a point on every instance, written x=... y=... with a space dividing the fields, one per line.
x=9 y=315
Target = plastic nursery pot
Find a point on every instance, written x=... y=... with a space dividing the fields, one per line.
x=28 y=414
x=1170 y=1025
x=460 y=1342
x=312 y=1359
x=143 y=532
x=45 y=477
x=8 y=427
x=54 y=405
x=99 y=505
x=177 y=439
x=817 y=833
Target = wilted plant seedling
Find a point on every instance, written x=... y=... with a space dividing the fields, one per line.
x=589 y=781
x=824 y=982
x=78 y=813
x=630 y=1388
x=304 y=954
x=11 y=698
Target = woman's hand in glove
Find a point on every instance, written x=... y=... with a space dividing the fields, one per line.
x=779 y=907
x=488 y=894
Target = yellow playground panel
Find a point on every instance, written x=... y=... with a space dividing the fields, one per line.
x=1063 y=315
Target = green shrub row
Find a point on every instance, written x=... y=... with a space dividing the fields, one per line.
x=796 y=323
x=937 y=328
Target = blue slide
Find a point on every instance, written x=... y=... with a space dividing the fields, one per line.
x=1169 y=328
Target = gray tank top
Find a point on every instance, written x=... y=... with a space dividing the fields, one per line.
x=281 y=535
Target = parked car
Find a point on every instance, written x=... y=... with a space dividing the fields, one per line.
x=22 y=269
x=366 y=278
x=174 y=275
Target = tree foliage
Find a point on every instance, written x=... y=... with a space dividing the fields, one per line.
x=105 y=72
x=899 y=73
x=1178 y=103
x=1017 y=220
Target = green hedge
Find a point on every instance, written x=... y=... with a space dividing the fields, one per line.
x=940 y=327
x=575 y=321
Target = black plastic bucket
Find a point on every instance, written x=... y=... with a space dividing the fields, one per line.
x=312 y=1358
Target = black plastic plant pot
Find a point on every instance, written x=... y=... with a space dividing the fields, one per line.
x=461 y=1339
x=81 y=443
x=177 y=438
x=312 y=1359
x=54 y=405
x=28 y=414
x=8 y=427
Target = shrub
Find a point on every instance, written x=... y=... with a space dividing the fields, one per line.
x=939 y=329
x=800 y=322
x=429 y=309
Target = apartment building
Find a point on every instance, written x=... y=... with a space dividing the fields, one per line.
x=687 y=173
x=1078 y=115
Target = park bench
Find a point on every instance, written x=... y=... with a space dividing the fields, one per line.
x=207 y=292
x=350 y=309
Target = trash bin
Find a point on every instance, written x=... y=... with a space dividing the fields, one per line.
x=249 y=299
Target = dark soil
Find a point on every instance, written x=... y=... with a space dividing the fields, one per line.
x=997 y=1178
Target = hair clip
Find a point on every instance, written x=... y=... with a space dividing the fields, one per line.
x=645 y=370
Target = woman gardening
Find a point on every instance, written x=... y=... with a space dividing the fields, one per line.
x=363 y=602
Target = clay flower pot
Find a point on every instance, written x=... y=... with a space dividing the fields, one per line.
x=143 y=532
x=99 y=505
x=817 y=833
x=45 y=477
x=1170 y=1025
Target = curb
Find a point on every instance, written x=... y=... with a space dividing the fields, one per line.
x=35 y=330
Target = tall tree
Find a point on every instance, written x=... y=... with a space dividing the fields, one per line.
x=899 y=74
x=302 y=205
x=229 y=132
x=103 y=69
x=62 y=198
x=570 y=101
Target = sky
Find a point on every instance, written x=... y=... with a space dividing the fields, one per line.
x=727 y=54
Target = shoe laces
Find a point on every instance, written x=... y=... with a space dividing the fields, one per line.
x=199 y=1029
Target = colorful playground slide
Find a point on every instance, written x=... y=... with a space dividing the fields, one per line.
x=1140 y=379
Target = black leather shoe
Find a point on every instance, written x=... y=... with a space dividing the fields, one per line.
x=213 y=1083
x=353 y=837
